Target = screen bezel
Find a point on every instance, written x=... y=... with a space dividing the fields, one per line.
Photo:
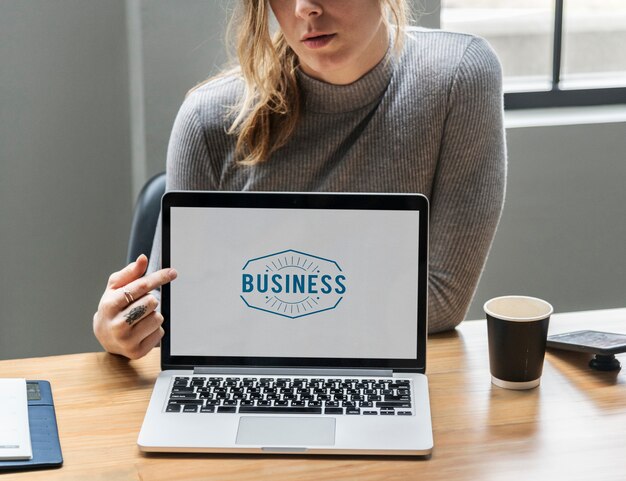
x=288 y=200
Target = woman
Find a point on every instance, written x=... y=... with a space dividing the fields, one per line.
x=340 y=100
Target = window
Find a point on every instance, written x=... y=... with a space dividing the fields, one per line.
x=553 y=52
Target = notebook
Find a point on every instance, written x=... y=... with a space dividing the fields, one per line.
x=297 y=324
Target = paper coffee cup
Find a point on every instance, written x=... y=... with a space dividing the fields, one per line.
x=517 y=328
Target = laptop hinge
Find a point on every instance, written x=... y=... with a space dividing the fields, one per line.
x=294 y=371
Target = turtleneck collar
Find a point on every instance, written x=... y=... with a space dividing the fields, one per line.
x=322 y=97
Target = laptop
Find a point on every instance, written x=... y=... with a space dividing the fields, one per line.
x=297 y=325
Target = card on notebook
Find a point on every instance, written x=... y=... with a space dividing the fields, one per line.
x=44 y=435
x=14 y=435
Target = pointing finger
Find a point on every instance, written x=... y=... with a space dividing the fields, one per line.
x=131 y=272
x=140 y=287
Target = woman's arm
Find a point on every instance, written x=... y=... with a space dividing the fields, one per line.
x=188 y=165
x=469 y=185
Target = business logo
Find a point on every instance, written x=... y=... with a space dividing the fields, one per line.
x=292 y=284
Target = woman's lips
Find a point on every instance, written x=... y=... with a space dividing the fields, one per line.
x=319 y=41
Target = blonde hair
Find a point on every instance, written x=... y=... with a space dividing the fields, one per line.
x=269 y=110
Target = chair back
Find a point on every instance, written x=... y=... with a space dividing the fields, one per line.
x=145 y=217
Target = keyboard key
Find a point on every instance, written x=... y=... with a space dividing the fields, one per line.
x=396 y=398
x=333 y=411
x=280 y=410
x=207 y=409
x=189 y=408
x=404 y=413
x=385 y=412
x=383 y=404
x=173 y=408
x=183 y=396
x=182 y=389
x=226 y=409
x=370 y=413
x=353 y=411
x=190 y=402
x=399 y=385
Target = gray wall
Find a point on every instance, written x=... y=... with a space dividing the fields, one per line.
x=181 y=44
x=88 y=93
x=562 y=235
x=65 y=193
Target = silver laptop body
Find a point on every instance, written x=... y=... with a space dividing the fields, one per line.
x=297 y=325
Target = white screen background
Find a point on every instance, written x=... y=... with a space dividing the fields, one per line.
x=377 y=251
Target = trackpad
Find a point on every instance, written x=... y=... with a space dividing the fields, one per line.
x=275 y=431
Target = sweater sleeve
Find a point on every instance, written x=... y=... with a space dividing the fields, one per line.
x=188 y=164
x=469 y=185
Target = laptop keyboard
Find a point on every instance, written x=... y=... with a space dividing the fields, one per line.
x=290 y=395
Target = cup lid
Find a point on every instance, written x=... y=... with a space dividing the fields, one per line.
x=518 y=308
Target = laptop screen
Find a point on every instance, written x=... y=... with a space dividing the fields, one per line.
x=266 y=282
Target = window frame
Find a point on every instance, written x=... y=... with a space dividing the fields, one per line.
x=557 y=96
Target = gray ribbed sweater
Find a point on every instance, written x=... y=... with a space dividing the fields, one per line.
x=429 y=121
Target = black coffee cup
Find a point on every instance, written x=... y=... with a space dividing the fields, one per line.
x=517 y=327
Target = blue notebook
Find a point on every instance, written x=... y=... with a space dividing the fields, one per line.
x=44 y=435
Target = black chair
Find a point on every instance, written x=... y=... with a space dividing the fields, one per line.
x=145 y=217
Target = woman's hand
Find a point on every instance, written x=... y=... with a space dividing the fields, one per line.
x=126 y=322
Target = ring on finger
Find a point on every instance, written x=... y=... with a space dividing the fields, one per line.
x=129 y=297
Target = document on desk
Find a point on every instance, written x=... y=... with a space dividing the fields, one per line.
x=14 y=426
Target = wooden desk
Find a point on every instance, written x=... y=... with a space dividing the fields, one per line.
x=573 y=427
